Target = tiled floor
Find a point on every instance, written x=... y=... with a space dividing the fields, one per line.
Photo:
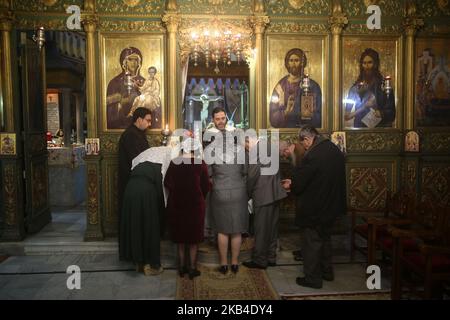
x=41 y=272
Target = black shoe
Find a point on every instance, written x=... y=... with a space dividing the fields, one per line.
x=271 y=264
x=193 y=273
x=182 y=271
x=234 y=268
x=253 y=265
x=223 y=269
x=328 y=276
x=301 y=281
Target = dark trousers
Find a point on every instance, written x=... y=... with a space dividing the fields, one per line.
x=316 y=250
x=265 y=223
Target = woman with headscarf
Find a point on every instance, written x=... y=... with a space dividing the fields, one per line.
x=187 y=181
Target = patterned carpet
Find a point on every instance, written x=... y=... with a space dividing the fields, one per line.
x=247 y=284
x=378 y=295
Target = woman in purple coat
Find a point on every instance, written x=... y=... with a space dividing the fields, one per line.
x=188 y=184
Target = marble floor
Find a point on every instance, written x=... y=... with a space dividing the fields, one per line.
x=36 y=268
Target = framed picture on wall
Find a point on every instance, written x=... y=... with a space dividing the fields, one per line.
x=371 y=80
x=432 y=82
x=8 y=144
x=132 y=76
x=297 y=81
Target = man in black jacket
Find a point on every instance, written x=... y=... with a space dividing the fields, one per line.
x=320 y=189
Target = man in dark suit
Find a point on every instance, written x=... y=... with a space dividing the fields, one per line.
x=266 y=192
x=320 y=189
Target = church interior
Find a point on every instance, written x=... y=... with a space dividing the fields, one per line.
x=374 y=78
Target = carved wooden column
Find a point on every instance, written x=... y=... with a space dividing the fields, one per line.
x=93 y=204
x=171 y=19
x=337 y=22
x=6 y=19
x=11 y=182
x=90 y=25
x=259 y=22
x=411 y=24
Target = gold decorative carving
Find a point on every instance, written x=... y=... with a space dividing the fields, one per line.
x=357 y=8
x=296 y=4
x=49 y=3
x=92 y=193
x=368 y=187
x=444 y=5
x=370 y=2
x=410 y=175
x=436 y=182
x=216 y=6
x=109 y=143
x=121 y=7
x=171 y=21
x=436 y=142
x=131 y=3
x=433 y=8
x=299 y=7
x=373 y=142
x=36 y=6
x=295 y=27
x=28 y=22
x=362 y=29
x=139 y=26
x=171 y=5
x=6 y=20
x=259 y=6
x=110 y=187
x=89 y=22
x=89 y=5
x=337 y=22
x=10 y=194
x=412 y=21
x=259 y=23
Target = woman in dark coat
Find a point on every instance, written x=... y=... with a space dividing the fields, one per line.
x=143 y=205
x=188 y=184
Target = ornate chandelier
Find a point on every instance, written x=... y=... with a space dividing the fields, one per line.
x=216 y=43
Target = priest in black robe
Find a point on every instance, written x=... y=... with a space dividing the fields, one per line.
x=143 y=206
x=132 y=142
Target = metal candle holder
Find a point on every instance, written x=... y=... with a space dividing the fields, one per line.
x=39 y=37
x=166 y=134
x=306 y=85
x=387 y=85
